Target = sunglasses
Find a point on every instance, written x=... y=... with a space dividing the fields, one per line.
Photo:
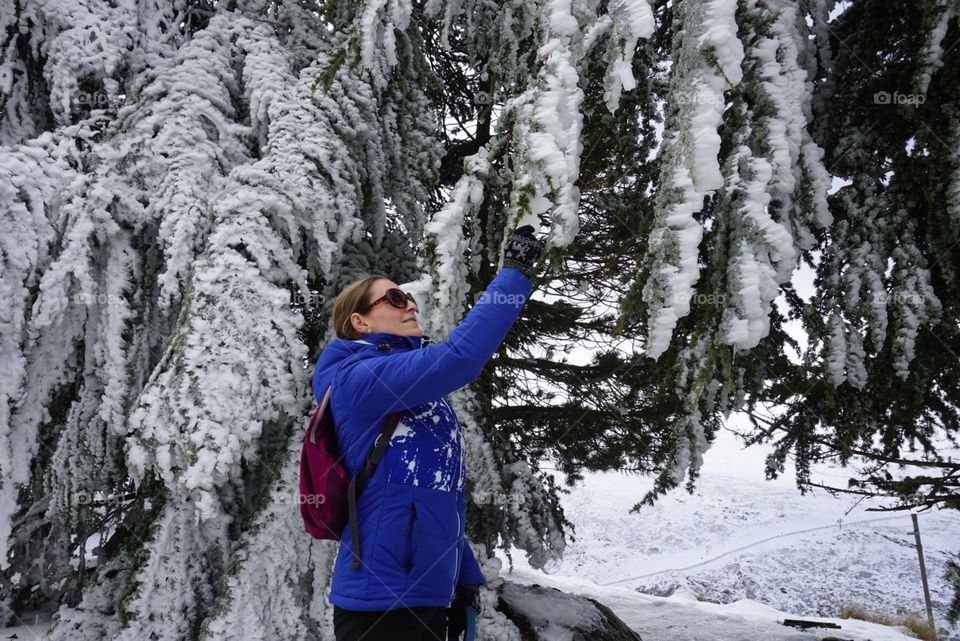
x=396 y=297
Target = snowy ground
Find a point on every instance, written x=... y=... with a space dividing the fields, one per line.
x=681 y=617
x=750 y=544
x=31 y=632
x=742 y=537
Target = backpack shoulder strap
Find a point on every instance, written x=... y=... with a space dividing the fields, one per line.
x=360 y=479
x=358 y=482
x=323 y=415
x=320 y=416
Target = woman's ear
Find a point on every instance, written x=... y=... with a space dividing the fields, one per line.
x=356 y=320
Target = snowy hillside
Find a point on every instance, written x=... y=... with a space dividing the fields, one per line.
x=682 y=617
x=757 y=547
x=741 y=537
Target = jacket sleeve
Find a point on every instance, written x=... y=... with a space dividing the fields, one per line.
x=470 y=572
x=384 y=384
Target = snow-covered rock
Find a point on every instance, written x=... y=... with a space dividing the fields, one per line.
x=547 y=614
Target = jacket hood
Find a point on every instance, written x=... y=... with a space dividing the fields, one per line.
x=339 y=349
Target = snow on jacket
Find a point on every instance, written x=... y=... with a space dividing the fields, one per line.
x=410 y=516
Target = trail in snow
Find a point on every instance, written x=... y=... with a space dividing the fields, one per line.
x=748 y=546
x=739 y=536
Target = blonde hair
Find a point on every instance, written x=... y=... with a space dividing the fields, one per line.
x=352 y=299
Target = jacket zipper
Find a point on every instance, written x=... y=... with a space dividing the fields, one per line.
x=413 y=515
x=457 y=566
x=409 y=536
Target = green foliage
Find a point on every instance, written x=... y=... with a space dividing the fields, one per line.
x=897 y=202
x=325 y=78
x=953 y=578
x=141 y=526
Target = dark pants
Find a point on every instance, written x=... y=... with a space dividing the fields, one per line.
x=413 y=624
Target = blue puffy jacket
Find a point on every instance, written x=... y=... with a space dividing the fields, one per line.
x=411 y=513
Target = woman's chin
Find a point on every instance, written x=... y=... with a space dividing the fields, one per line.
x=409 y=329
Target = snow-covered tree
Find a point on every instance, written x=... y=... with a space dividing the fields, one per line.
x=741 y=193
x=862 y=94
x=181 y=179
x=879 y=375
x=184 y=183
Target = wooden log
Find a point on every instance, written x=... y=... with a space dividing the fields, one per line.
x=803 y=625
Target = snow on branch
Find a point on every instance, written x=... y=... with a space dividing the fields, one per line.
x=80 y=42
x=630 y=21
x=549 y=123
x=32 y=178
x=707 y=59
x=774 y=177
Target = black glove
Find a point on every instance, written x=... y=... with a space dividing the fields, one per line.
x=522 y=250
x=466 y=596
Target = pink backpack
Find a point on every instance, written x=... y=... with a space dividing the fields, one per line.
x=328 y=496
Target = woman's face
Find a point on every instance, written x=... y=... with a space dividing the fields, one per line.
x=384 y=317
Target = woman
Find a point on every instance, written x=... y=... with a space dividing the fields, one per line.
x=413 y=557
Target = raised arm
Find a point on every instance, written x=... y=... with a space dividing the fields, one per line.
x=384 y=384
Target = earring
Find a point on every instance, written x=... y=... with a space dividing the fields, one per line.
x=368 y=330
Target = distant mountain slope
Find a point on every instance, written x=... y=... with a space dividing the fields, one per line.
x=741 y=537
x=682 y=617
